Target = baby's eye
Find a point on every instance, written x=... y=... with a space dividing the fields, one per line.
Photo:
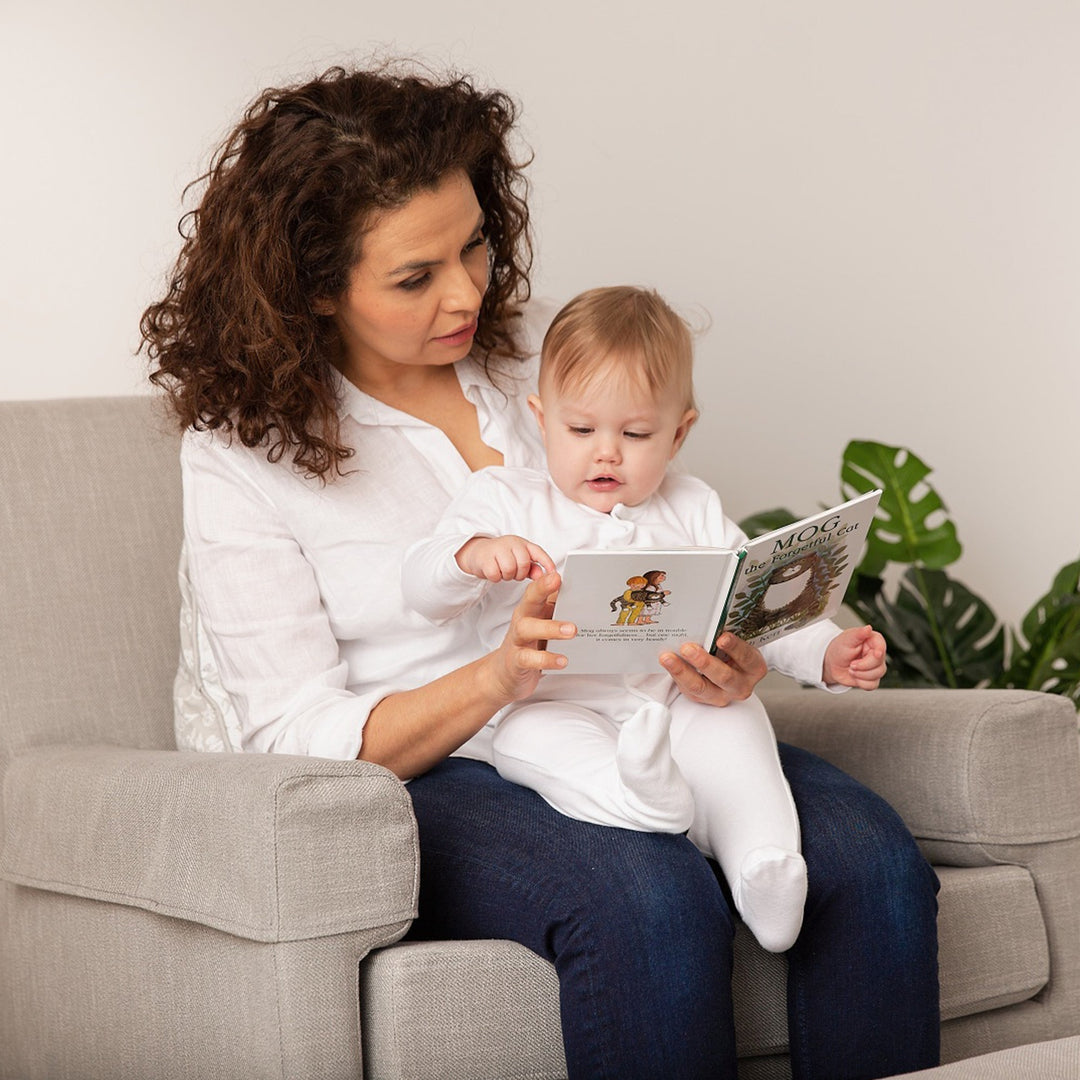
x=637 y=434
x=581 y=430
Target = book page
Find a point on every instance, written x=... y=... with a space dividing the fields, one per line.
x=630 y=606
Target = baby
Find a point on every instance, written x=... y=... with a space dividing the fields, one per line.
x=615 y=403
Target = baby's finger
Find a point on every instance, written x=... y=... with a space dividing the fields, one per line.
x=865 y=683
x=538 y=557
x=518 y=563
x=507 y=564
x=867 y=665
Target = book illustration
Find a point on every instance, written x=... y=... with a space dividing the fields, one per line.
x=797 y=575
x=795 y=591
x=642 y=600
x=630 y=606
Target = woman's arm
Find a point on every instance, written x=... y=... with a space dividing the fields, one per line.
x=411 y=731
x=279 y=658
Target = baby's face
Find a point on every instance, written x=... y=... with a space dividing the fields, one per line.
x=611 y=442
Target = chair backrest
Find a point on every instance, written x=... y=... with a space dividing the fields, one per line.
x=90 y=532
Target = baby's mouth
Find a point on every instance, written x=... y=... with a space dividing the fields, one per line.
x=603 y=483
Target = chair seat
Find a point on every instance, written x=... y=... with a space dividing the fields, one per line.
x=480 y=1009
x=439 y=1010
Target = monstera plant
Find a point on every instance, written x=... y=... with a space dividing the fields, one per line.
x=939 y=632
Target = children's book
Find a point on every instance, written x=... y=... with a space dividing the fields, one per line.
x=632 y=605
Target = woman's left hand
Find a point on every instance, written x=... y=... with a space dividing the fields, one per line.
x=716 y=680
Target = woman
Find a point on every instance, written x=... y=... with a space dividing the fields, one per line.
x=343 y=342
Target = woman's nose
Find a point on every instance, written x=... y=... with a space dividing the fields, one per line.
x=464 y=292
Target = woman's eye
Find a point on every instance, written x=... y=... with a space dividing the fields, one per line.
x=472 y=245
x=414 y=283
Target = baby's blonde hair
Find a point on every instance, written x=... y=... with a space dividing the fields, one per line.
x=623 y=329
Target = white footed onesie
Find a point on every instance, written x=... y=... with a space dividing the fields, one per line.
x=631 y=751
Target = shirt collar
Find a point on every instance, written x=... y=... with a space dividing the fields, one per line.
x=365 y=409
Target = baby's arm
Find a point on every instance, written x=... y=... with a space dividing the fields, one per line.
x=503 y=558
x=444 y=575
x=434 y=584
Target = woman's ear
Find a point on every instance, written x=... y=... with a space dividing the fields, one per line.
x=537 y=407
x=689 y=418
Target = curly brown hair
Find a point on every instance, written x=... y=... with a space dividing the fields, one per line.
x=236 y=340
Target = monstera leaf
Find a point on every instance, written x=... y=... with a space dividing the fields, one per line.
x=938 y=631
x=1046 y=653
x=911 y=526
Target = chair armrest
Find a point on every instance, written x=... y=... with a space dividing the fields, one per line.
x=961 y=767
x=266 y=847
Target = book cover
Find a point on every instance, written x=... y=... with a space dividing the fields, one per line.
x=797 y=575
x=630 y=606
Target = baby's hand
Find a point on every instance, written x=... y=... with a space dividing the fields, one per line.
x=503 y=558
x=855 y=657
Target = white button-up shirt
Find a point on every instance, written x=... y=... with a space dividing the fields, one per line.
x=293 y=624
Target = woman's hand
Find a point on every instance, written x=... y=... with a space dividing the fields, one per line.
x=413 y=730
x=716 y=680
x=855 y=657
x=522 y=657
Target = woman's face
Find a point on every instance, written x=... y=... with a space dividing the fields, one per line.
x=414 y=296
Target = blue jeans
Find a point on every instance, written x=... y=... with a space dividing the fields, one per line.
x=640 y=929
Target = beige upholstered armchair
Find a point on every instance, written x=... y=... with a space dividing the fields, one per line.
x=168 y=914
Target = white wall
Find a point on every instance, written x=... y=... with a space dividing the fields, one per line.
x=876 y=203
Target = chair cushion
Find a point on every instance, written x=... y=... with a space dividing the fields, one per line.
x=478 y=1009
x=460 y=1010
x=240 y=842
x=90 y=532
x=992 y=949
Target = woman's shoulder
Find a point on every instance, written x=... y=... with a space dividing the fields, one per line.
x=219 y=456
x=202 y=445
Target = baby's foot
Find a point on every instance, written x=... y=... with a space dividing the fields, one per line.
x=770 y=893
x=652 y=781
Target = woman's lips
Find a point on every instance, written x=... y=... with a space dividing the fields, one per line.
x=461 y=335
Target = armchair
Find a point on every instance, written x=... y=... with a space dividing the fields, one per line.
x=174 y=914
